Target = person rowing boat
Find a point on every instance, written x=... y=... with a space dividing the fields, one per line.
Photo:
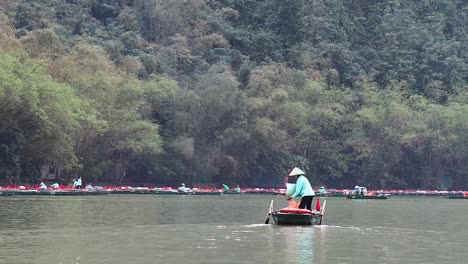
x=303 y=189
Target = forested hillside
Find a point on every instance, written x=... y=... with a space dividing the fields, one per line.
x=236 y=91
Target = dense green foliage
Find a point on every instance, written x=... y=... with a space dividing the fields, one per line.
x=236 y=91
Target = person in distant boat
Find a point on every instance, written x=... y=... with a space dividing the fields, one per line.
x=55 y=186
x=226 y=188
x=89 y=187
x=238 y=190
x=79 y=184
x=303 y=189
x=322 y=191
x=358 y=190
x=182 y=188
x=42 y=186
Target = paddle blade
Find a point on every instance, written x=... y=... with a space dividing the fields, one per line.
x=322 y=212
x=317 y=205
x=270 y=210
x=267 y=220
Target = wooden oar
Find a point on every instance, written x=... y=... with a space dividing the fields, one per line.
x=270 y=210
x=322 y=212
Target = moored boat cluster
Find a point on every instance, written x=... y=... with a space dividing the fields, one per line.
x=101 y=190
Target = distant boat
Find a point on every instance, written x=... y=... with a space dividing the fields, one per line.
x=31 y=192
x=367 y=197
x=457 y=196
x=171 y=193
x=78 y=193
x=361 y=193
x=133 y=191
x=61 y=192
x=191 y=192
x=207 y=193
x=331 y=195
x=7 y=193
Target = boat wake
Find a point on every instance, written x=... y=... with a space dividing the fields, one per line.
x=341 y=227
x=255 y=225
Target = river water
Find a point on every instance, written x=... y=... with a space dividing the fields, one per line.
x=228 y=229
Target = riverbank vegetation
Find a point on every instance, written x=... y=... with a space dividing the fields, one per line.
x=235 y=91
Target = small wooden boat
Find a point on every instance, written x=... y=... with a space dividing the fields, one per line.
x=61 y=192
x=229 y=192
x=78 y=193
x=311 y=218
x=367 y=197
x=457 y=196
x=331 y=195
x=207 y=193
x=31 y=192
x=361 y=193
x=262 y=192
x=171 y=193
x=133 y=191
x=296 y=216
x=7 y=193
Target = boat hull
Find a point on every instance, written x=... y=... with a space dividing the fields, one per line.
x=78 y=193
x=6 y=193
x=132 y=192
x=27 y=192
x=367 y=197
x=62 y=193
x=330 y=195
x=296 y=219
x=457 y=197
x=208 y=193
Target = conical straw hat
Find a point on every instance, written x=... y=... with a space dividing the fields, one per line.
x=296 y=171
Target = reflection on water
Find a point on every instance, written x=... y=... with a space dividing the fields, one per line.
x=299 y=243
x=227 y=229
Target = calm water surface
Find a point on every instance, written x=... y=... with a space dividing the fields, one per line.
x=228 y=229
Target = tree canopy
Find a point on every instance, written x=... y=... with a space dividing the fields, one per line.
x=236 y=91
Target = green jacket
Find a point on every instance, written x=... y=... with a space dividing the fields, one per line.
x=303 y=187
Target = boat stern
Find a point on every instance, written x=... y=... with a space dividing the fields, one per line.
x=296 y=219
